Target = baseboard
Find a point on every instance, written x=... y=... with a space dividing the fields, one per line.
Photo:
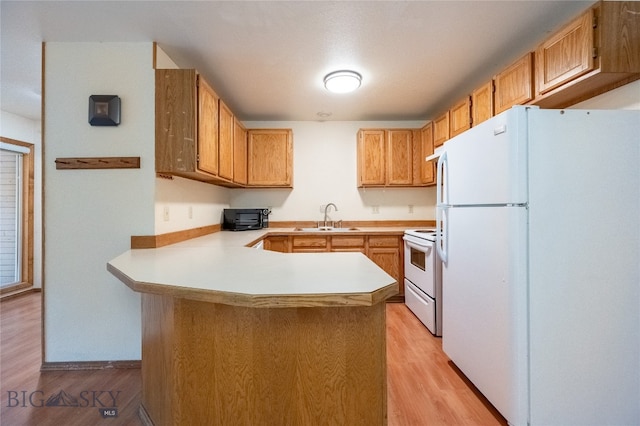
x=89 y=365
x=398 y=298
x=144 y=416
x=19 y=292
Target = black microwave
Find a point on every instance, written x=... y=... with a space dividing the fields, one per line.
x=245 y=219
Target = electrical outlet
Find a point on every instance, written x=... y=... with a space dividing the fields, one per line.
x=376 y=209
x=410 y=208
x=322 y=207
x=190 y=212
x=165 y=213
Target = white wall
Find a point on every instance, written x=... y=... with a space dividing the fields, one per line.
x=189 y=204
x=23 y=129
x=324 y=171
x=90 y=215
x=625 y=97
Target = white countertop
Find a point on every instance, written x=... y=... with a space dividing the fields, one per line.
x=219 y=268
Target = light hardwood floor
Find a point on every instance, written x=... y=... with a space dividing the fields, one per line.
x=424 y=387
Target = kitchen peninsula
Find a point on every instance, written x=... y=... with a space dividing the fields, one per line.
x=234 y=335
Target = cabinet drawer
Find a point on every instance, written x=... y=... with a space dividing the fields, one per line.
x=309 y=241
x=347 y=241
x=384 y=241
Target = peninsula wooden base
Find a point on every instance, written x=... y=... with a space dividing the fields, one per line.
x=215 y=364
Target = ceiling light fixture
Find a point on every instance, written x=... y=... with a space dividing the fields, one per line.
x=342 y=81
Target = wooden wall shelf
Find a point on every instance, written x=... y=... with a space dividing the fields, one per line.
x=98 y=163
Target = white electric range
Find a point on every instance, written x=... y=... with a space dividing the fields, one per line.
x=423 y=278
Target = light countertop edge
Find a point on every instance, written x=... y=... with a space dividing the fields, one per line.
x=219 y=268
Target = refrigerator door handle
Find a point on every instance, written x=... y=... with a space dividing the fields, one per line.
x=441 y=184
x=441 y=189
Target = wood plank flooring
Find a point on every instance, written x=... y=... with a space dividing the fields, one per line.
x=424 y=387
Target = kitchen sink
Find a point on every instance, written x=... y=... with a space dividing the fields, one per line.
x=326 y=229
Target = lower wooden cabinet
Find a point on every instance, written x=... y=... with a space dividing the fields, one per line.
x=278 y=243
x=348 y=243
x=387 y=251
x=309 y=243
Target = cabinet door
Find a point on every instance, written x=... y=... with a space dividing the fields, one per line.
x=277 y=243
x=514 y=85
x=399 y=157
x=482 y=103
x=460 y=117
x=566 y=55
x=207 y=128
x=176 y=120
x=427 y=168
x=387 y=252
x=371 y=157
x=239 y=152
x=225 y=152
x=441 y=130
x=270 y=157
x=388 y=259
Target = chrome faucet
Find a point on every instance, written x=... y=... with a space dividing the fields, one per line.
x=326 y=211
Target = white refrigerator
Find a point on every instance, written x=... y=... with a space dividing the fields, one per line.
x=538 y=216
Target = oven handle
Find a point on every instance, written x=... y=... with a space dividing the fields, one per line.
x=423 y=248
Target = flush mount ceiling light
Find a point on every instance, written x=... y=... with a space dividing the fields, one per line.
x=342 y=81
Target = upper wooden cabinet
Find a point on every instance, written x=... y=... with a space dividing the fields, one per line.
x=482 y=103
x=514 y=85
x=386 y=157
x=270 y=158
x=225 y=141
x=198 y=137
x=597 y=51
x=589 y=55
x=239 y=152
x=441 y=130
x=460 y=117
x=186 y=125
x=400 y=157
x=371 y=157
x=188 y=132
x=567 y=54
x=207 y=141
x=427 y=168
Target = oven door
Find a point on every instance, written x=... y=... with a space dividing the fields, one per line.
x=419 y=255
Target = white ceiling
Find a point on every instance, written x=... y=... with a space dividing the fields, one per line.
x=266 y=59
